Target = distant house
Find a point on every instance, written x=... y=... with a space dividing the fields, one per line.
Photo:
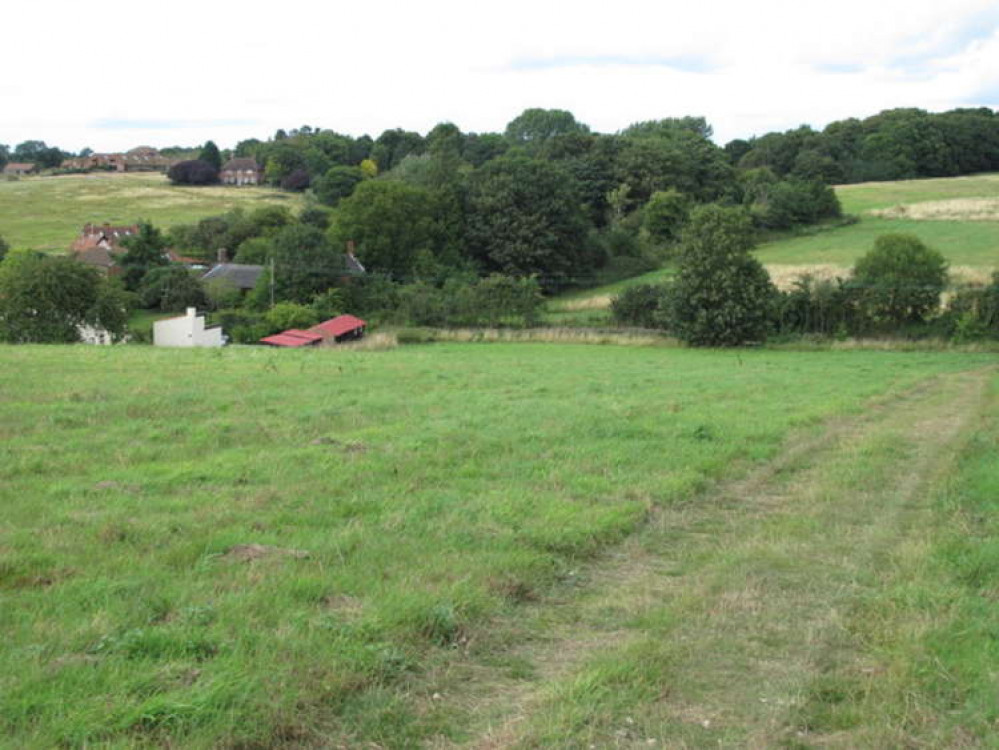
x=243 y=277
x=293 y=338
x=341 y=328
x=188 y=330
x=98 y=245
x=19 y=168
x=241 y=171
x=140 y=159
x=195 y=264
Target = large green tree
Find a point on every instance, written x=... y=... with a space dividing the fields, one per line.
x=46 y=299
x=535 y=126
x=306 y=263
x=210 y=155
x=721 y=295
x=390 y=223
x=525 y=217
x=143 y=252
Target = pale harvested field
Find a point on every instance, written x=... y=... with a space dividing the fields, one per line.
x=956 y=209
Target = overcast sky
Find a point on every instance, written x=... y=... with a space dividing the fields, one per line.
x=111 y=74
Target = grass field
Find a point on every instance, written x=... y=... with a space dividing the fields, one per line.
x=494 y=545
x=963 y=238
x=47 y=213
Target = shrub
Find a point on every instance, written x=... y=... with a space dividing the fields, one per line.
x=171 y=288
x=193 y=172
x=664 y=216
x=286 y=315
x=296 y=181
x=819 y=306
x=900 y=280
x=640 y=305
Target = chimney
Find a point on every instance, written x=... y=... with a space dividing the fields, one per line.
x=223 y=255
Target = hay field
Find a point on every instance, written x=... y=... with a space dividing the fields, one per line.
x=46 y=213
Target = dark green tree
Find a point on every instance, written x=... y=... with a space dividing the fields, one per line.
x=210 y=155
x=390 y=222
x=664 y=215
x=171 y=288
x=337 y=184
x=721 y=295
x=143 y=252
x=900 y=280
x=525 y=218
x=4 y=248
x=535 y=126
x=305 y=263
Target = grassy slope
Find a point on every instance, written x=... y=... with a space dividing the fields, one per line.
x=435 y=488
x=965 y=243
x=46 y=213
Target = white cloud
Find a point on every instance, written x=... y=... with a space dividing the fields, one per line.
x=228 y=70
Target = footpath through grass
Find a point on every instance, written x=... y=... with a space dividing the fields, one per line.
x=414 y=510
x=47 y=213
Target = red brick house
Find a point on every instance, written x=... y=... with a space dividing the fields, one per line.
x=241 y=171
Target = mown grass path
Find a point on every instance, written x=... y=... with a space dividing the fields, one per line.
x=742 y=619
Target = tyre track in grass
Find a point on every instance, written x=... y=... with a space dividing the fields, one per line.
x=741 y=593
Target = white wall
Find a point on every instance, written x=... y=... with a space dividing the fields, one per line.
x=187 y=330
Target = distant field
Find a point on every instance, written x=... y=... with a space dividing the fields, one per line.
x=489 y=545
x=941 y=212
x=46 y=213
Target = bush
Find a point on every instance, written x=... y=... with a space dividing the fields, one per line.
x=641 y=305
x=171 y=288
x=722 y=296
x=193 y=172
x=285 y=315
x=664 y=216
x=823 y=307
x=492 y=301
x=296 y=181
x=900 y=280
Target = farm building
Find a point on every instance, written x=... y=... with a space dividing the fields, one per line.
x=18 y=168
x=293 y=338
x=188 y=330
x=241 y=172
x=340 y=328
x=333 y=331
x=97 y=245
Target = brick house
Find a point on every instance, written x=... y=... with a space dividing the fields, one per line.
x=241 y=172
x=19 y=168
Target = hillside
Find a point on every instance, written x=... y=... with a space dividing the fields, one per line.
x=436 y=546
x=959 y=216
x=46 y=213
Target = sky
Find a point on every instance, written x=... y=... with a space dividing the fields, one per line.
x=111 y=74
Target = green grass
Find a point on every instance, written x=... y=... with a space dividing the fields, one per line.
x=868 y=196
x=47 y=213
x=963 y=243
x=437 y=490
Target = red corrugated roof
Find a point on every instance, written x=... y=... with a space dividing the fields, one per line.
x=339 y=325
x=292 y=337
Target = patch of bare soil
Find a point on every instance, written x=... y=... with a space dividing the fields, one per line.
x=250 y=552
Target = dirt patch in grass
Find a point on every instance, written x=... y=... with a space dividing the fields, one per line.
x=250 y=552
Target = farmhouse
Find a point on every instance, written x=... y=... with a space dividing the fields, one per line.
x=97 y=245
x=241 y=171
x=18 y=168
x=188 y=330
x=139 y=159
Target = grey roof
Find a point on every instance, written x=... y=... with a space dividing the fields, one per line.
x=243 y=276
x=353 y=264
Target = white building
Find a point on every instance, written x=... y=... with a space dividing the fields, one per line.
x=186 y=330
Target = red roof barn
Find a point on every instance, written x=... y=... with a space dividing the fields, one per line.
x=293 y=337
x=340 y=328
